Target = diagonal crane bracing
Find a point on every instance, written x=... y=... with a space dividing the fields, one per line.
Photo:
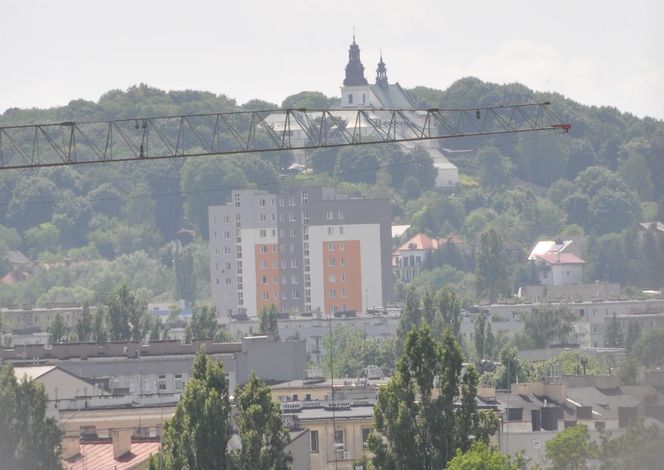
x=238 y=132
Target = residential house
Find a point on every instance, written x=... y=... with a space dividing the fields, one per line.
x=555 y=264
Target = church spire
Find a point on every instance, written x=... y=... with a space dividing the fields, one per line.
x=354 y=68
x=381 y=73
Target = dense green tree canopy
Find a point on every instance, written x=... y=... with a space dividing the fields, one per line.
x=415 y=428
x=28 y=440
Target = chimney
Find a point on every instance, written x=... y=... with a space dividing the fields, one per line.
x=71 y=447
x=121 y=442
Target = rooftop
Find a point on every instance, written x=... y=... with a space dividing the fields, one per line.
x=99 y=456
x=559 y=258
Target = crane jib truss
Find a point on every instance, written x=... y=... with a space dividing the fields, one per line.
x=70 y=143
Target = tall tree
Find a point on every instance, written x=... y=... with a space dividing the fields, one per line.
x=448 y=313
x=28 y=440
x=261 y=430
x=99 y=333
x=548 y=324
x=571 y=448
x=480 y=336
x=483 y=457
x=197 y=436
x=639 y=447
x=411 y=316
x=491 y=276
x=185 y=281
x=204 y=322
x=57 y=330
x=649 y=348
x=415 y=428
x=269 y=321
x=633 y=334
x=614 y=337
x=84 y=324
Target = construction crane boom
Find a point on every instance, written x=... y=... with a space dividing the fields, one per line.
x=151 y=138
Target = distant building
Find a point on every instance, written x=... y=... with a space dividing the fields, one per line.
x=311 y=250
x=58 y=383
x=555 y=265
x=357 y=92
x=408 y=259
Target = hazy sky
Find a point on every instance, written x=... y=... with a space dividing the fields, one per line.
x=596 y=52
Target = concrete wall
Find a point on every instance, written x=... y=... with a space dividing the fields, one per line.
x=271 y=361
x=298 y=448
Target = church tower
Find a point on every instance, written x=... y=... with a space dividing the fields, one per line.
x=381 y=74
x=354 y=68
x=355 y=91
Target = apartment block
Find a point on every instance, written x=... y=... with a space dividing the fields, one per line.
x=306 y=250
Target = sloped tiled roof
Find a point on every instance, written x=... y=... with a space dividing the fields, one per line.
x=420 y=242
x=560 y=258
x=100 y=456
x=33 y=372
x=548 y=246
x=13 y=277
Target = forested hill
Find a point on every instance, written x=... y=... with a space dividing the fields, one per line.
x=599 y=180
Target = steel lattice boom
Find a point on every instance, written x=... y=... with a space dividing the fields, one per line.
x=69 y=143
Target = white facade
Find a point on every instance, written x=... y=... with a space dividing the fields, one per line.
x=366 y=234
x=562 y=274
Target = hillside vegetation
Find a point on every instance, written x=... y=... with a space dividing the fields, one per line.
x=95 y=227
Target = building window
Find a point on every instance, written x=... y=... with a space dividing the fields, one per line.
x=342 y=262
x=339 y=440
x=343 y=277
x=266 y=296
x=341 y=215
x=343 y=293
x=263 y=249
x=227 y=234
x=227 y=250
x=313 y=439
x=305 y=197
x=293 y=263
x=332 y=278
x=333 y=293
x=263 y=264
x=226 y=219
x=365 y=436
x=330 y=230
x=292 y=232
x=329 y=215
x=342 y=245
x=261 y=203
x=293 y=217
x=341 y=230
x=331 y=262
x=350 y=98
x=263 y=217
x=263 y=233
x=228 y=281
x=293 y=279
x=330 y=246
x=264 y=280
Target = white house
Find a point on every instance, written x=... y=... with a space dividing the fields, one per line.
x=556 y=266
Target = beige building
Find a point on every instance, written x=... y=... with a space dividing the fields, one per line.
x=58 y=383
